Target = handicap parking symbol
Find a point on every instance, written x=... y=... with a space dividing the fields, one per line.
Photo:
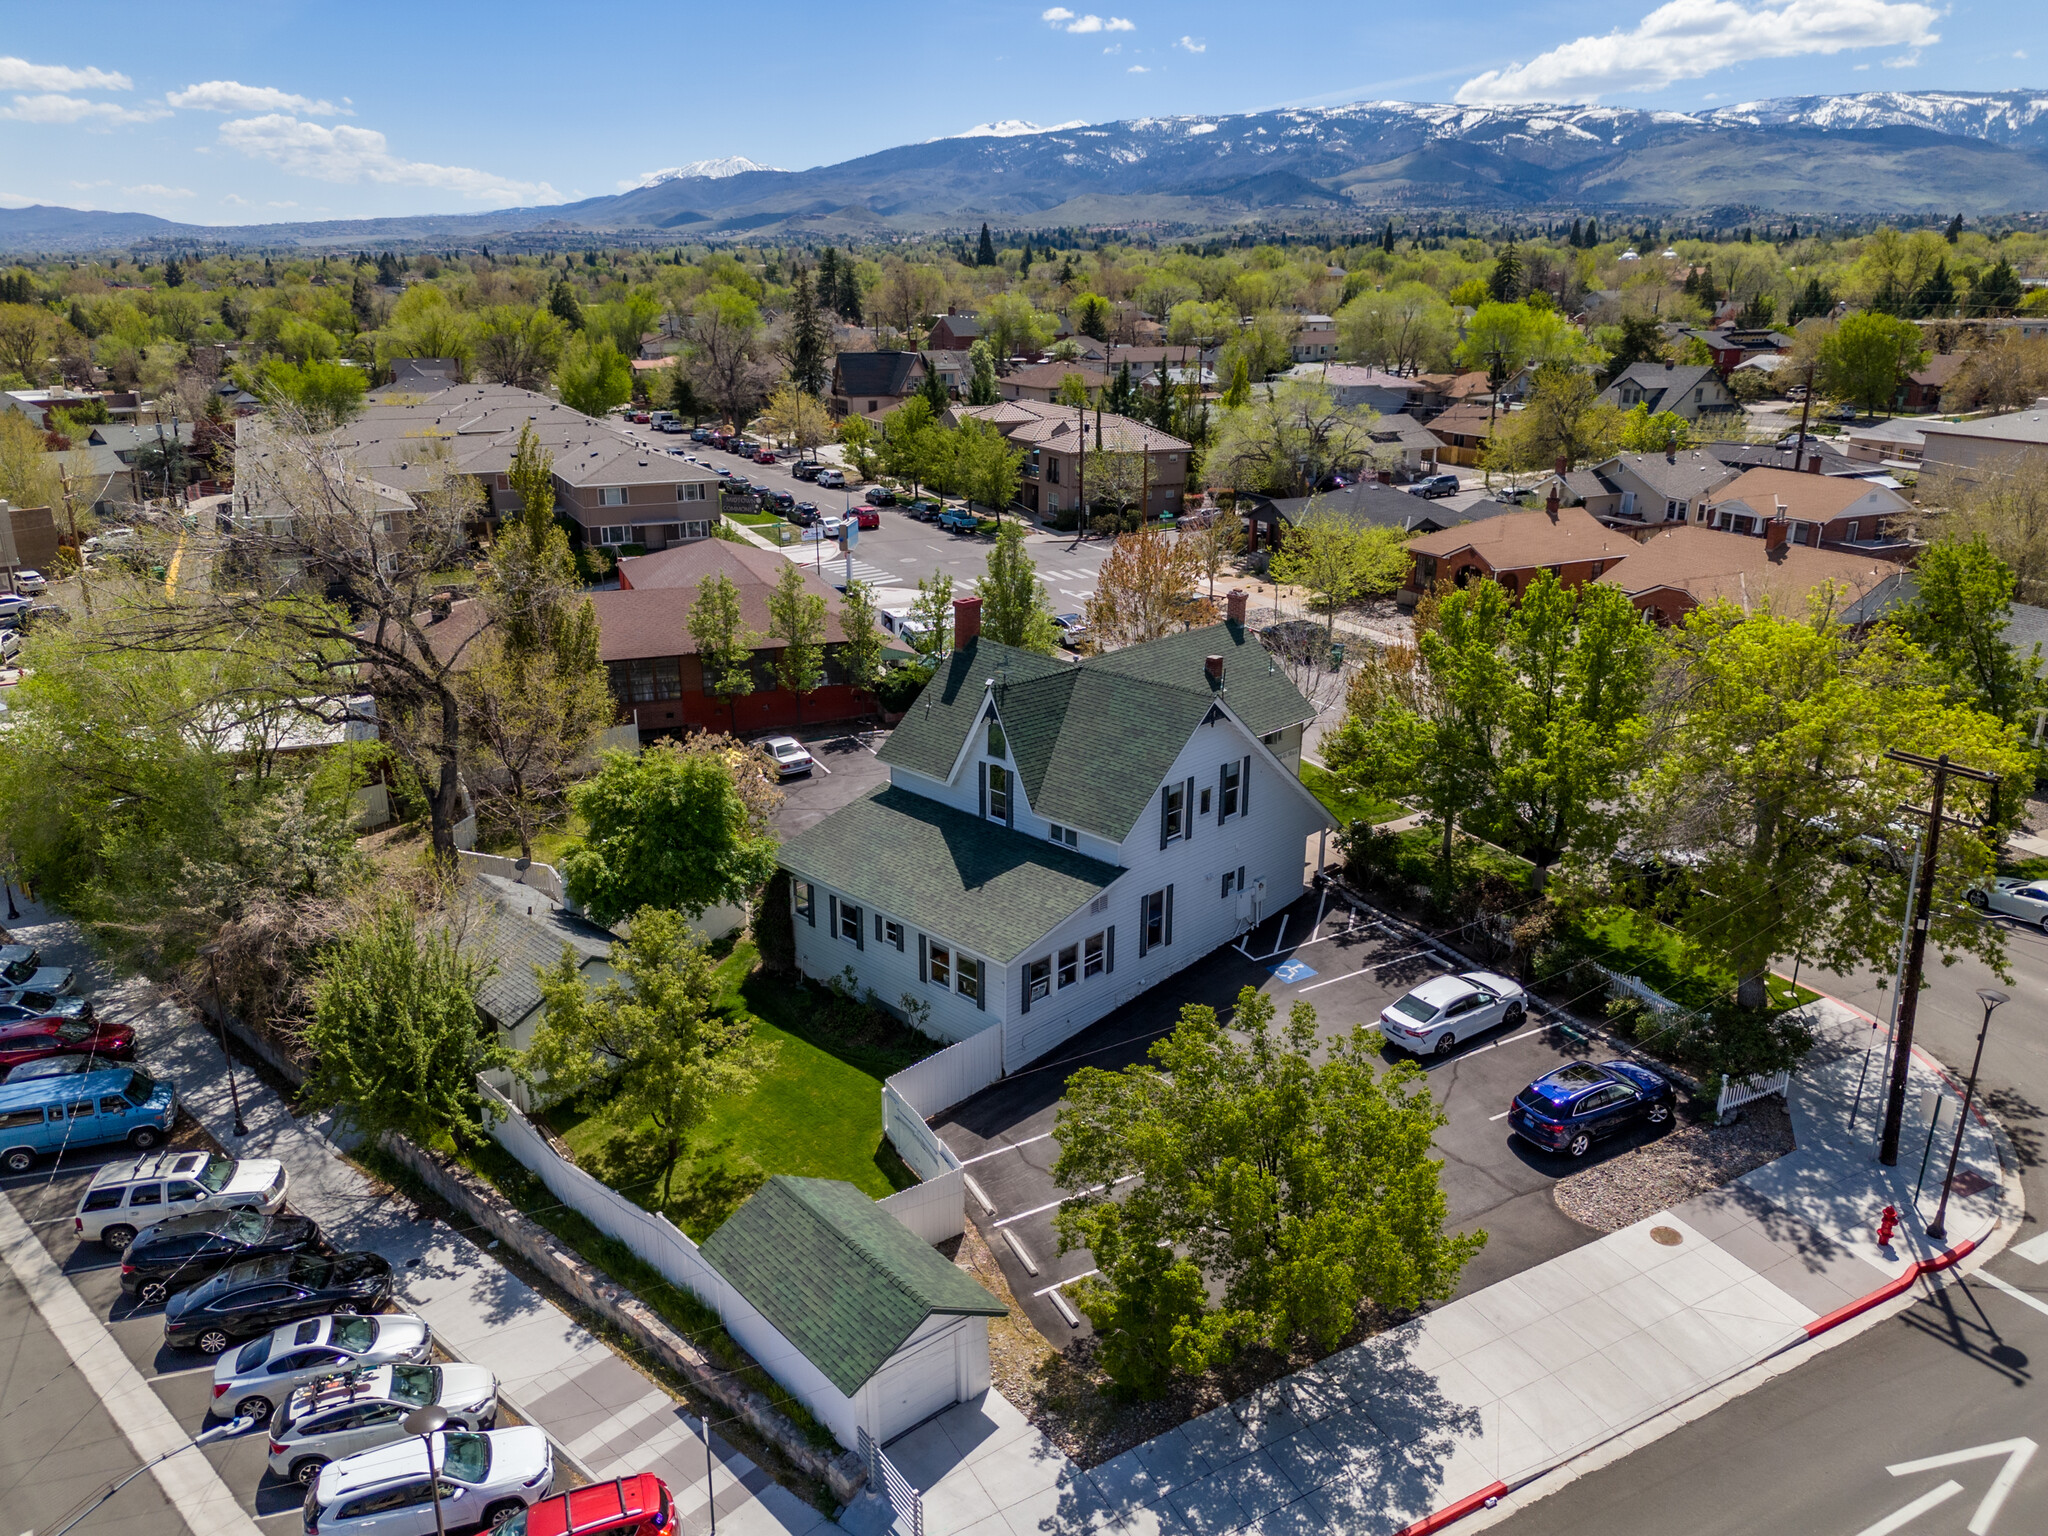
x=1293 y=971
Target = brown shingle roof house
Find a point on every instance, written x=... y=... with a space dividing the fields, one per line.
x=1686 y=566
x=1513 y=547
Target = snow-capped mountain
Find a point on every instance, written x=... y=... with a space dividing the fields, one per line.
x=707 y=170
x=1011 y=128
x=2004 y=117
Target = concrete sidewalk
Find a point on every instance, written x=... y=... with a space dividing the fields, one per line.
x=611 y=1419
x=1474 y=1398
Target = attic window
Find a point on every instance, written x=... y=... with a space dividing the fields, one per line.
x=997 y=747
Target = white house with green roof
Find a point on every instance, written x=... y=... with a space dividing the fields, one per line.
x=1057 y=837
x=863 y=1322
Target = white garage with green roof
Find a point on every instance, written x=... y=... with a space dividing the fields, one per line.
x=1057 y=837
x=866 y=1324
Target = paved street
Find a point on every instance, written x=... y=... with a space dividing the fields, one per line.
x=1808 y=1452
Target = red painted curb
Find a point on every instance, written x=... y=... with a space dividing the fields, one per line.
x=1890 y=1289
x=1457 y=1511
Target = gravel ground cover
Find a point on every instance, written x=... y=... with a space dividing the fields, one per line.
x=1687 y=1160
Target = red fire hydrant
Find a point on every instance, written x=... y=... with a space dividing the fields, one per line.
x=1887 y=1224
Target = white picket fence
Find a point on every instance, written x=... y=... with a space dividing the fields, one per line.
x=1622 y=982
x=1738 y=1091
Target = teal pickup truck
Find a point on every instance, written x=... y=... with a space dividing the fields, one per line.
x=959 y=520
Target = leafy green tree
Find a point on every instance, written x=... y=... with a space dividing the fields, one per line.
x=982 y=390
x=933 y=614
x=1637 y=340
x=1291 y=1172
x=1406 y=328
x=857 y=436
x=655 y=1029
x=860 y=655
x=1336 y=561
x=593 y=377
x=1868 y=357
x=1770 y=766
x=1239 y=393
x=1014 y=326
x=666 y=829
x=564 y=305
x=933 y=389
x=1289 y=440
x=796 y=618
x=395 y=1033
x=1564 y=418
x=519 y=346
x=327 y=393
x=986 y=467
x=1014 y=607
x=725 y=646
x=1639 y=431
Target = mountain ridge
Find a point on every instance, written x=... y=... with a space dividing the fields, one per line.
x=1876 y=152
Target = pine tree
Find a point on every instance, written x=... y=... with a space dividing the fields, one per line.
x=1937 y=296
x=1387 y=238
x=934 y=390
x=1955 y=229
x=564 y=305
x=847 y=301
x=809 y=342
x=387 y=271
x=174 y=275
x=1024 y=269
x=985 y=253
x=1505 y=284
x=1997 y=292
x=1578 y=234
x=1592 y=233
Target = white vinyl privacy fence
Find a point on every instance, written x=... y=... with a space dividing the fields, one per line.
x=909 y=1099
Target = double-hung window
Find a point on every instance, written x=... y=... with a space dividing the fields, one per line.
x=1070 y=965
x=998 y=793
x=1230 y=790
x=804 y=900
x=611 y=496
x=1173 y=813
x=693 y=491
x=1094 y=954
x=1155 y=920
x=1037 y=979
x=849 y=923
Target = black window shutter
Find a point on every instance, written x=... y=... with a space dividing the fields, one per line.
x=1244 y=790
x=980 y=984
x=1024 y=972
x=1169 y=914
x=1162 y=818
x=1222 y=806
x=860 y=932
x=1010 y=802
x=1187 y=813
x=983 y=781
x=1109 y=952
x=878 y=927
x=924 y=970
x=1144 y=923
x=832 y=916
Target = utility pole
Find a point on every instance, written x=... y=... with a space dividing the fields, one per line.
x=77 y=549
x=1916 y=949
x=1805 y=415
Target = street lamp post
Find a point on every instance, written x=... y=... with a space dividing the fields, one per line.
x=1990 y=999
x=426 y=1423
x=207 y=1437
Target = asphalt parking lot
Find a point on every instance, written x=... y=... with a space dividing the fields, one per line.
x=59 y=1398
x=1348 y=967
x=847 y=769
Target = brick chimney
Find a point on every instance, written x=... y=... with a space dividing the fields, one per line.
x=1213 y=665
x=1385 y=477
x=1550 y=506
x=1235 y=604
x=1777 y=533
x=1564 y=465
x=1813 y=463
x=966 y=620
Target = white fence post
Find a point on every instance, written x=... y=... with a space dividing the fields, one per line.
x=1738 y=1091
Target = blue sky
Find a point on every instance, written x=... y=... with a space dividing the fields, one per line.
x=248 y=113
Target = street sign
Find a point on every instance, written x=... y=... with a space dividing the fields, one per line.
x=2017 y=1454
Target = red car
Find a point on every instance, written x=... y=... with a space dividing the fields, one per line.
x=867 y=517
x=626 y=1506
x=765 y=456
x=34 y=1039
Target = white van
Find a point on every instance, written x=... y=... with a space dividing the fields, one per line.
x=127 y=1196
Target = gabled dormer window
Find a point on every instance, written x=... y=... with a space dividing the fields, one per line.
x=997 y=747
x=998 y=793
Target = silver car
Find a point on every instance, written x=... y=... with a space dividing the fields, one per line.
x=360 y=1410
x=1444 y=1010
x=251 y=1381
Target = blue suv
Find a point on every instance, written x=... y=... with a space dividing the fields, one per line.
x=1570 y=1109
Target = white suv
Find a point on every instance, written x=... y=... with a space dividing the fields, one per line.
x=358 y=1410
x=135 y=1193
x=485 y=1480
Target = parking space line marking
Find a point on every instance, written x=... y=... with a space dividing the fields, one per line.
x=1501 y=1116
x=1063 y=1199
x=1048 y=1290
x=1011 y=1146
x=1364 y=970
x=170 y=1375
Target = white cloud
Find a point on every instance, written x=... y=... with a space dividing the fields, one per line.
x=1685 y=39
x=51 y=107
x=285 y=204
x=20 y=75
x=236 y=199
x=14 y=200
x=345 y=154
x=1139 y=69
x=1904 y=60
x=87 y=186
x=2019 y=53
x=157 y=189
x=1059 y=15
x=1192 y=45
x=1114 y=48
x=233 y=96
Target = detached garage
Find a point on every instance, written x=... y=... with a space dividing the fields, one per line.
x=864 y=1323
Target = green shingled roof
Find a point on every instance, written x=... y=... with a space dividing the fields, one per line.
x=838 y=1276
x=1093 y=739
x=915 y=859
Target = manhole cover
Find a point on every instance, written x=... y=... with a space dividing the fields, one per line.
x=1670 y=1237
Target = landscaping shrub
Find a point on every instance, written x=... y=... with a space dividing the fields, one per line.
x=899 y=687
x=773 y=926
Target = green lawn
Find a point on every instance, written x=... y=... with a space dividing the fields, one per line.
x=1347 y=803
x=752 y=519
x=1627 y=941
x=549 y=843
x=817 y=1112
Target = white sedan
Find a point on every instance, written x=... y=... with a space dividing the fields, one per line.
x=790 y=756
x=2026 y=900
x=1444 y=1010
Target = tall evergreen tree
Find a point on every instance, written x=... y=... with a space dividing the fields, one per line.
x=828 y=277
x=934 y=390
x=1937 y=296
x=985 y=253
x=1997 y=292
x=1592 y=233
x=1505 y=283
x=1024 y=268
x=1578 y=234
x=847 y=301
x=1954 y=231
x=809 y=342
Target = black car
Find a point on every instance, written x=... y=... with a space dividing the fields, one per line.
x=804 y=514
x=779 y=501
x=881 y=496
x=258 y=1295
x=807 y=470
x=177 y=1254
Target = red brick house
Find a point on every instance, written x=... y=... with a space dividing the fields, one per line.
x=644 y=639
x=1512 y=548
